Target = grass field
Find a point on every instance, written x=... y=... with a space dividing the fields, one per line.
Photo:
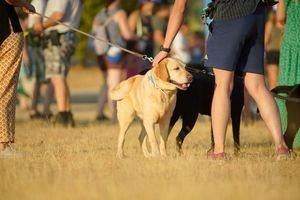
x=80 y=163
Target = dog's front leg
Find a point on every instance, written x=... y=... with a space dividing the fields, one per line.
x=143 y=141
x=149 y=126
x=164 y=133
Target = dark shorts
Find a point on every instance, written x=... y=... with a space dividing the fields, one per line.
x=237 y=45
x=272 y=57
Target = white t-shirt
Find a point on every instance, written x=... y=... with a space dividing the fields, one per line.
x=40 y=6
x=72 y=10
x=180 y=48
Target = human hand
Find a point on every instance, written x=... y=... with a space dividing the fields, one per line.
x=159 y=57
x=38 y=27
x=28 y=8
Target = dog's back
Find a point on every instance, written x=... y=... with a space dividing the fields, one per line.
x=123 y=89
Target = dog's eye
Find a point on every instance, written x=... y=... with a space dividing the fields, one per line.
x=177 y=68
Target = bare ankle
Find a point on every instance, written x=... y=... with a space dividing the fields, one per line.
x=3 y=145
x=281 y=145
x=218 y=150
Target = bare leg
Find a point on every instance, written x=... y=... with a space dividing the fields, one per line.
x=3 y=145
x=113 y=79
x=35 y=97
x=255 y=84
x=247 y=113
x=62 y=93
x=102 y=98
x=220 y=111
x=272 y=72
x=48 y=98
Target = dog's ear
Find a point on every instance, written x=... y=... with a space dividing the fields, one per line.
x=161 y=71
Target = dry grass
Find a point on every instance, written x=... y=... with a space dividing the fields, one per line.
x=80 y=163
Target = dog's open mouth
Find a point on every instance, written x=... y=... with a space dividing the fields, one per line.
x=182 y=86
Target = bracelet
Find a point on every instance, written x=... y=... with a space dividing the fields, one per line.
x=162 y=48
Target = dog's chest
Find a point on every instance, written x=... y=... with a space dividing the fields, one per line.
x=165 y=105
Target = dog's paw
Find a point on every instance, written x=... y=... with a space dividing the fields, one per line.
x=164 y=156
x=120 y=155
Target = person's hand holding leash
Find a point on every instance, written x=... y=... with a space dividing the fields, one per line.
x=38 y=27
x=28 y=8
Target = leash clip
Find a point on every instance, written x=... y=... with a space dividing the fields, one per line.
x=145 y=57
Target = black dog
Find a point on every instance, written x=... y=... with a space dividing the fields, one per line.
x=198 y=99
x=292 y=103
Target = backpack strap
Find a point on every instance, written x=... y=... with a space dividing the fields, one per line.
x=109 y=19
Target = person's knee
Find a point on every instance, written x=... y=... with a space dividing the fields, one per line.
x=225 y=86
x=255 y=87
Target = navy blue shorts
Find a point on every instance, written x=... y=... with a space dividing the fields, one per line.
x=237 y=45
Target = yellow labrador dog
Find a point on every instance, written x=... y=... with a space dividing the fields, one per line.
x=152 y=98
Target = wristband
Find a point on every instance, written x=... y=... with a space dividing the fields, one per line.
x=165 y=49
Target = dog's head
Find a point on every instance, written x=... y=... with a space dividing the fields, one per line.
x=172 y=72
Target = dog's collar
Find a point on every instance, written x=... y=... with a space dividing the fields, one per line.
x=153 y=81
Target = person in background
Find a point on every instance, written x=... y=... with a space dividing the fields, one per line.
x=180 y=46
x=197 y=47
x=111 y=61
x=159 y=23
x=140 y=22
x=242 y=23
x=288 y=17
x=11 y=46
x=24 y=83
x=273 y=36
x=37 y=63
x=61 y=44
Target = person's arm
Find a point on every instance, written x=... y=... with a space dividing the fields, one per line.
x=38 y=24
x=175 y=21
x=268 y=33
x=281 y=14
x=56 y=16
x=132 y=20
x=126 y=33
x=27 y=7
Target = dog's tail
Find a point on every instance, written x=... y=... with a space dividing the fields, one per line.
x=282 y=89
x=122 y=90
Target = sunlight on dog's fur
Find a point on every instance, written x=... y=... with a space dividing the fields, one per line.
x=152 y=98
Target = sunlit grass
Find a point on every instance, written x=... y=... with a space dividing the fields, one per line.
x=80 y=163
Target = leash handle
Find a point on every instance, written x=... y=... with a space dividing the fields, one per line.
x=144 y=57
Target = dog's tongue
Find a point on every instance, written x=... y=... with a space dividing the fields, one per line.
x=185 y=85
